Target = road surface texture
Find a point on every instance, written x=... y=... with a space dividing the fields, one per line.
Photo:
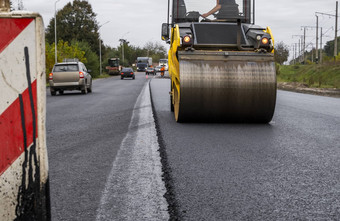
x=285 y=170
x=103 y=153
x=105 y=165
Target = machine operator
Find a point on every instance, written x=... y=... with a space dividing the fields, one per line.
x=225 y=8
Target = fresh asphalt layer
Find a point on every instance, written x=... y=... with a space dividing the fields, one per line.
x=285 y=170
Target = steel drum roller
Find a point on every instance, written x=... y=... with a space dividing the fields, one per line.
x=226 y=86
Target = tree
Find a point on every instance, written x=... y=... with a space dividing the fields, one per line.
x=76 y=21
x=329 y=47
x=65 y=50
x=155 y=50
x=92 y=59
x=281 y=53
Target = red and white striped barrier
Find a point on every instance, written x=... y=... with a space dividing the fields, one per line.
x=24 y=192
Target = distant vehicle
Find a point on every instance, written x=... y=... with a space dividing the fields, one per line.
x=150 y=70
x=164 y=62
x=143 y=63
x=71 y=75
x=158 y=68
x=114 y=68
x=127 y=73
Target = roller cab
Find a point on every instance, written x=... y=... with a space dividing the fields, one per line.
x=222 y=67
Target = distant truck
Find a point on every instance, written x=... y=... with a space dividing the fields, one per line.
x=114 y=68
x=143 y=63
x=163 y=62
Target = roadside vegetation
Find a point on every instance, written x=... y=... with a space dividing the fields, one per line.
x=308 y=73
x=312 y=75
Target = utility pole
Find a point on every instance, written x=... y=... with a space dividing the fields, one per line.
x=317 y=40
x=123 y=41
x=295 y=52
x=300 y=47
x=304 y=41
x=100 y=48
x=336 y=29
x=336 y=33
x=55 y=33
x=321 y=46
x=300 y=50
x=304 y=45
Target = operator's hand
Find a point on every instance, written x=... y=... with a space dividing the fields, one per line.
x=205 y=15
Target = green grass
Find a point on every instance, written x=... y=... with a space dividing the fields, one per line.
x=320 y=76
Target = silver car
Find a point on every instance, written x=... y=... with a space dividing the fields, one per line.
x=70 y=76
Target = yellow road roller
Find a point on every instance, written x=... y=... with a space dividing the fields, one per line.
x=221 y=64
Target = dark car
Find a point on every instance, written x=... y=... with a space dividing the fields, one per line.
x=150 y=70
x=127 y=73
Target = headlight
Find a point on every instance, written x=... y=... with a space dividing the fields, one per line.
x=187 y=40
x=265 y=41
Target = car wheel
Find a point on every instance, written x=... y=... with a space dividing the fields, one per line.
x=53 y=93
x=133 y=77
x=84 y=91
x=61 y=92
x=90 y=88
x=121 y=78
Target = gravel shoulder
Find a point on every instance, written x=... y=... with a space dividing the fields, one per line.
x=302 y=88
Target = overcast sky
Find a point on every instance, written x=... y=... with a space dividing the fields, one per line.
x=139 y=21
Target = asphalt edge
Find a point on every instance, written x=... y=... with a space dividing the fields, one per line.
x=173 y=207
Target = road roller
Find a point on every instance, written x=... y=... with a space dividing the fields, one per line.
x=221 y=64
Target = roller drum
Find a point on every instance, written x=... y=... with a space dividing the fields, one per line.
x=229 y=87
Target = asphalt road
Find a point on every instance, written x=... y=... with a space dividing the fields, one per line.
x=285 y=170
x=103 y=158
x=105 y=164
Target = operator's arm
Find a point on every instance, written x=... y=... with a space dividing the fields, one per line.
x=215 y=9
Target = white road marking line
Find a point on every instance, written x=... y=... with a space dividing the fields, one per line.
x=134 y=189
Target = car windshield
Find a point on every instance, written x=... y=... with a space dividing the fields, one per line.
x=190 y=10
x=127 y=70
x=65 y=67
